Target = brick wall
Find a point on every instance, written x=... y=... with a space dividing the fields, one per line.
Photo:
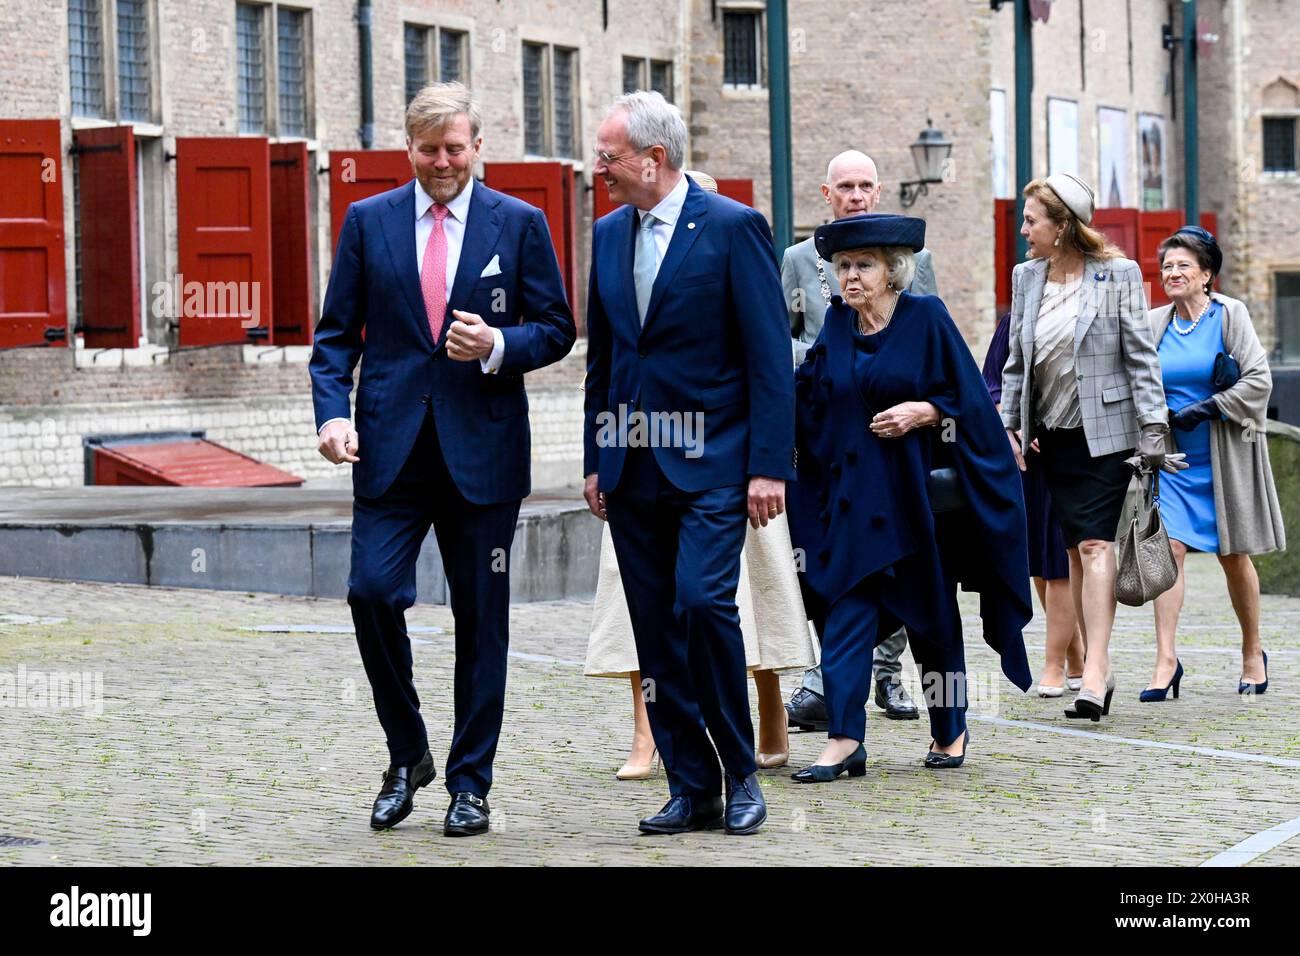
x=866 y=76
x=1252 y=71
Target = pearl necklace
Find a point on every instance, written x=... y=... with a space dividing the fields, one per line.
x=1173 y=320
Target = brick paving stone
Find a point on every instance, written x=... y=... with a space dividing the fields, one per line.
x=219 y=745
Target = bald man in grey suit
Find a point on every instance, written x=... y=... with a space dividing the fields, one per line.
x=852 y=187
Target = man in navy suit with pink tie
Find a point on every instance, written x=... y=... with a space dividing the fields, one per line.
x=451 y=292
x=686 y=322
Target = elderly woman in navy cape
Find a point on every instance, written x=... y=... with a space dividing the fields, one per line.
x=888 y=394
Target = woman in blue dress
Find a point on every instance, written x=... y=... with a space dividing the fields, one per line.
x=1224 y=502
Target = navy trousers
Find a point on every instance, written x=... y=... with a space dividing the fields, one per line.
x=679 y=555
x=474 y=541
x=848 y=640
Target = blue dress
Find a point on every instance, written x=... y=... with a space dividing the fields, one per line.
x=1187 y=498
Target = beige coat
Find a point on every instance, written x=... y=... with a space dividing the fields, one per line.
x=1247 y=512
x=773 y=622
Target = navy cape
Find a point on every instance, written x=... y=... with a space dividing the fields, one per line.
x=859 y=506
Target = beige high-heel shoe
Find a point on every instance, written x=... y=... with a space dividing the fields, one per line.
x=631 y=771
x=768 y=761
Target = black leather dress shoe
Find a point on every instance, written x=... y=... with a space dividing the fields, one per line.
x=891 y=696
x=684 y=814
x=746 y=809
x=397 y=795
x=467 y=815
x=807 y=710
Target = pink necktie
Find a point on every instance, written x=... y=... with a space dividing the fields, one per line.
x=433 y=274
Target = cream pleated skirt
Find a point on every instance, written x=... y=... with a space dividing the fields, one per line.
x=772 y=617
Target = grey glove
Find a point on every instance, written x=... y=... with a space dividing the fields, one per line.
x=1151 y=446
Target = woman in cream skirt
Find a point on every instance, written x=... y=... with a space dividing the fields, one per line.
x=772 y=620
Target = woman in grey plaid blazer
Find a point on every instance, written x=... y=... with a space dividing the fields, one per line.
x=1082 y=389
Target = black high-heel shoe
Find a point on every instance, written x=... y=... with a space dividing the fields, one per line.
x=1157 y=694
x=1088 y=706
x=855 y=763
x=1246 y=687
x=937 y=761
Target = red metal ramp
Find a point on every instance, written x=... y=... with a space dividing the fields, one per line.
x=176 y=459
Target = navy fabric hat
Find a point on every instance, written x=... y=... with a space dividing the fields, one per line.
x=1212 y=244
x=869 y=230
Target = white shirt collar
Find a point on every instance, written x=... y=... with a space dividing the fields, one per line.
x=458 y=207
x=670 y=207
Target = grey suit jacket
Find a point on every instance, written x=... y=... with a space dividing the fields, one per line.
x=803 y=291
x=1114 y=355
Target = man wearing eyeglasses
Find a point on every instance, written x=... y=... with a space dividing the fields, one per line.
x=685 y=318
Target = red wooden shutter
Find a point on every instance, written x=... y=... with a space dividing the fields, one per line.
x=549 y=187
x=741 y=190
x=223 y=211
x=356 y=174
x=1005 y=230
x=291 y=303
x=1154 y=228
x=33 y=277
x=1120 y=226
x=110 y=246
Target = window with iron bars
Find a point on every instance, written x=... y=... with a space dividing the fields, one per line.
x=552 y=120
x=251 y=65
x=291 y=76
x=742 y=52
x=1279 y=144
x=133 y=60
x=86 y=57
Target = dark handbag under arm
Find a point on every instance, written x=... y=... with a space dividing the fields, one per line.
x=1226 y=372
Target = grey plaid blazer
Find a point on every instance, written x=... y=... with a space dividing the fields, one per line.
x=1114 y=355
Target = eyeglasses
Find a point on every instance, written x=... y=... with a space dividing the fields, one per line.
x=609 y=159
x=1181 y=268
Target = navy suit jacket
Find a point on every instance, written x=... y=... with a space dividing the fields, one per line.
x=481 y=419
x=715 y=342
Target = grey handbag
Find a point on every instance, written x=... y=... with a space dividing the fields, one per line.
x=1146 y=562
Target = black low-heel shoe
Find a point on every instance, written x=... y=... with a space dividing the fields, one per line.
x=855 y=763
x=937 y=761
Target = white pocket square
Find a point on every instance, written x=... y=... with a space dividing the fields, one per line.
x=493 y=268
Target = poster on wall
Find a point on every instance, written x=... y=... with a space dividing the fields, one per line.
x=1113 y=171
x=1151 y=141
x=998 y=123
x=1062 y=136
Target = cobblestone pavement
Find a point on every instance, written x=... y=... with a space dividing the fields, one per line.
x=219 y=742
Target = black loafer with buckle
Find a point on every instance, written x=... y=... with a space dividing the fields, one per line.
x=397 y=796
x=467 y=815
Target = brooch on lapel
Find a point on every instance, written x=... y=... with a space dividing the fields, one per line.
x=1099 y=276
